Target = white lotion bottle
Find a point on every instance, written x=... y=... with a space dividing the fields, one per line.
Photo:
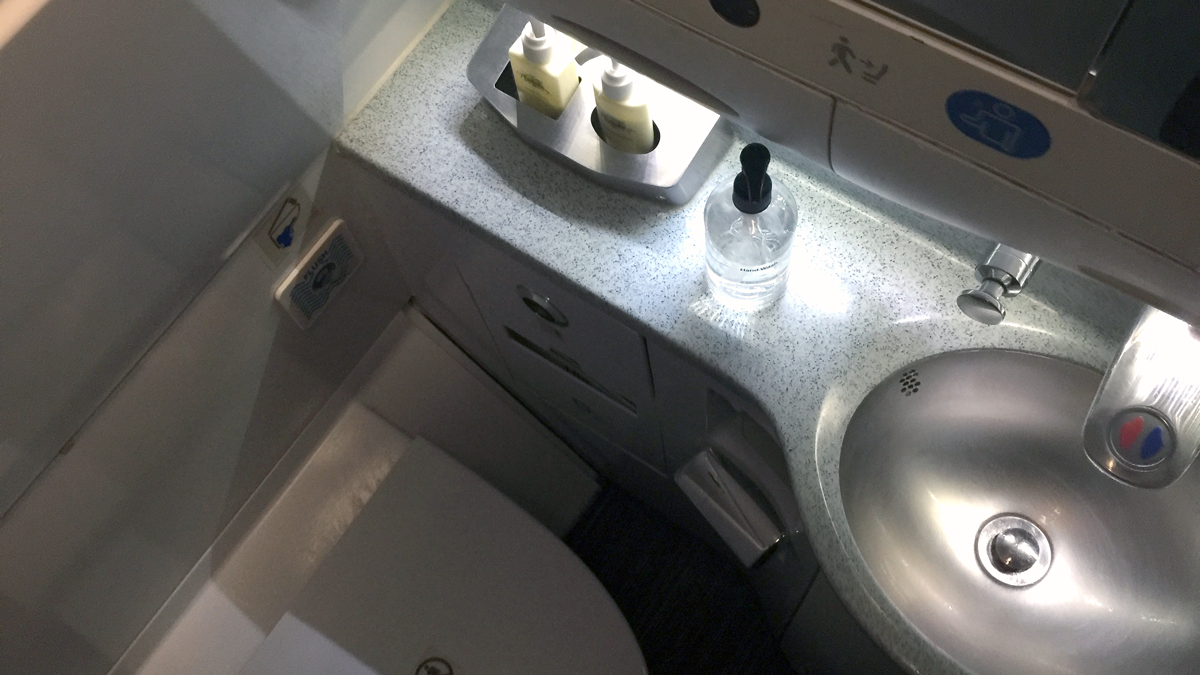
x=623 y=110
x=544 y=69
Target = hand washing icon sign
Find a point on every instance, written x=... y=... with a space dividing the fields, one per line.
x=995 y=126
x=998 y=124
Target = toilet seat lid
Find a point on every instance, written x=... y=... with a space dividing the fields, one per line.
x=440 y=571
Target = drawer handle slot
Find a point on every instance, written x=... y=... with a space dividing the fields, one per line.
x=541 y=305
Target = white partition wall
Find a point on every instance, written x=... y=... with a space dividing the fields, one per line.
x=139 y=140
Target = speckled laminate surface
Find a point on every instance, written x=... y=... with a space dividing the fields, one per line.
x=873 y=286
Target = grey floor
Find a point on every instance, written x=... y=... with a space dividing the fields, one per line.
x=692 y=610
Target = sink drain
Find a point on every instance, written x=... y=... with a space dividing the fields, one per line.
x=1013 y=550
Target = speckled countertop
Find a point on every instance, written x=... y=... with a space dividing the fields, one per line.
x=873 y=285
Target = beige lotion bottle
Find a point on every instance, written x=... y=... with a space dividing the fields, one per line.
x=544 y=69
x=623 y=110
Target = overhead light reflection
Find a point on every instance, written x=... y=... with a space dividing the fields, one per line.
x=1031 y=329
x=819 y=289
x=960 y=523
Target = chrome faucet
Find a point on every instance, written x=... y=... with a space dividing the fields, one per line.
x=1003 y=274
x=1144 y=425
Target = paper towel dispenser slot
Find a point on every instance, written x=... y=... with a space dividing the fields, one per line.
x=728 y=507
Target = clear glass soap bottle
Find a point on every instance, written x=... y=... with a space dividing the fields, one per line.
x=749 y=224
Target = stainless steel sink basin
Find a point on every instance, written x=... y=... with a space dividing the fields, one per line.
x=941 y=450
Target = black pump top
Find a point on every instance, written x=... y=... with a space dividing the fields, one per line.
x=752 y=187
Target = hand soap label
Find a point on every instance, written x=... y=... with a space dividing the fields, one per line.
x=533 y=82
x=760 y=268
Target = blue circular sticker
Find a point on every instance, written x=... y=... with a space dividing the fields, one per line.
x=998 y=124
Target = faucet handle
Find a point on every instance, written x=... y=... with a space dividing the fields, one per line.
x=983 y=303
x=1144 y=425
x=1004 y=273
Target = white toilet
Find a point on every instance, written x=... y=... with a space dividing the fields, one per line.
x=440 y=573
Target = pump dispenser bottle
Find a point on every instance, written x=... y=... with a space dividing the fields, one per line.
x=749 y=223
x=623 y=110
x=544 y=69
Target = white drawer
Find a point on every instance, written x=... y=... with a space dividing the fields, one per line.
x=599 y=347
x=610 y=416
